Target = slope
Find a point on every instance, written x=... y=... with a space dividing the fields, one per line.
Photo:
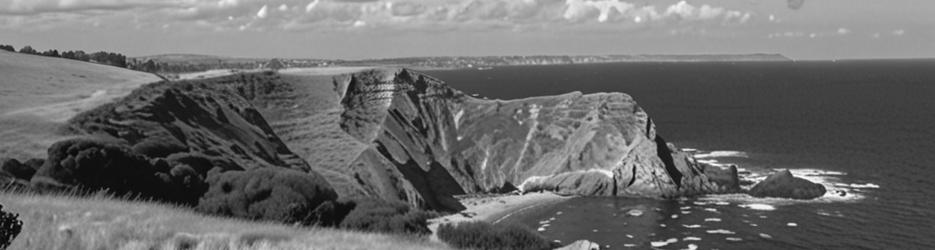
x=38 y=94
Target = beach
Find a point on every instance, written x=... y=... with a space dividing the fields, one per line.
x=495 y=208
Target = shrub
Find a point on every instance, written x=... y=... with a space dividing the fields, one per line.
x=159 y=147
x=373 y=215
x=87 y=165
x=330 y=213
x=278 y=194
x=93 y=164
x=202 y=163
x=483 y=235
x=10 y=226
x=16 y=169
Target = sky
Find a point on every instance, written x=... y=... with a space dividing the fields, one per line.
x=359 y=29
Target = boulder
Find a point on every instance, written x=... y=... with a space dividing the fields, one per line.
x=581 y=245
x=724 y=178
x=783 y=185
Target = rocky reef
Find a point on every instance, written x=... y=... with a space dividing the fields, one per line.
x=397 y=135
x=783 y=184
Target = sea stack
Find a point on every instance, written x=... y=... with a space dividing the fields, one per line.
x=783 y=185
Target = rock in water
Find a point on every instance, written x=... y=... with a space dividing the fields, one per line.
x=783 y=185
x=725 y=178
x=581 y=245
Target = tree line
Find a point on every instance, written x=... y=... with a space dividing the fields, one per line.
x=101 y=57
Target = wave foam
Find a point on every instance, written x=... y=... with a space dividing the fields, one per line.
x=722 y=154
x=758 y=206
x=664 y=243
x=720 y=231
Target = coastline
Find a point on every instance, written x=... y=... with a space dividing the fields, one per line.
x=495 y=208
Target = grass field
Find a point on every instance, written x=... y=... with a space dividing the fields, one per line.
x=102 y=222
x=38 y=94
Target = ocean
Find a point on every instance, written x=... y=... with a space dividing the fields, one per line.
x=862 y=128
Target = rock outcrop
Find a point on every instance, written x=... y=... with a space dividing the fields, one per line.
x=783 y=185
x=444 y=142
x=726 y=179
x=581 y=245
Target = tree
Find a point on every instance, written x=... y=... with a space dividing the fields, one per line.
x=7 y=48
x=51 y=53
x=28 y=50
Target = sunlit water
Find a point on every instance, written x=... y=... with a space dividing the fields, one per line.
x=864 y=129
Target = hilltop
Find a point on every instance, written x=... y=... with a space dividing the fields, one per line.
x=39 y=94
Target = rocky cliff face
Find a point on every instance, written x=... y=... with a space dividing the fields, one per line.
x=446 y=143
x=401 y=135
x=212 y=117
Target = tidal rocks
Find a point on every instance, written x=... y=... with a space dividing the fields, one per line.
x=725 y=179
x=581 y=245
x=783 y=185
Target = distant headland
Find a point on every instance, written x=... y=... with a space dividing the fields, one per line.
x=180 y=63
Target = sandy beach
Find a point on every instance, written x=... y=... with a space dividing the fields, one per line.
x=495 y=208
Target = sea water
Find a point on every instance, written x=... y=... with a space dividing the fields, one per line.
x=864 y=129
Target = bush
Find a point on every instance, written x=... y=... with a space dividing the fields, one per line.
x=483 y=235
x=87 y=165
x=10 y=226
x=373 y=215
x=94 y=165
x=16 y=169
x=159 y=147
x=277 y=194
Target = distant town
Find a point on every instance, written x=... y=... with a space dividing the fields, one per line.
x=178 y=63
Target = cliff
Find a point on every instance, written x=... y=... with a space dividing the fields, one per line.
x=445 y=143
x=399 y=135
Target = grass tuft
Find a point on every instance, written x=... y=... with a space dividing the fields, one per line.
x=101 y=221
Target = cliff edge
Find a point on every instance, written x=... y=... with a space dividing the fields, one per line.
x=446 y=143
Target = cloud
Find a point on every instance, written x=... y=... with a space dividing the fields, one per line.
x=262 y=13
x=899 y=32
x=29 y=7
x=228 y=3
x=386 y=14
x=619 y=11
x=795 y=4
x=843 y=31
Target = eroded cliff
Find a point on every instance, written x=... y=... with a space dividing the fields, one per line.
x=404 y=136
x=446 y=143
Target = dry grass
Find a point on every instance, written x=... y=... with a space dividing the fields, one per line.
x=101 y=222
x=37 y=94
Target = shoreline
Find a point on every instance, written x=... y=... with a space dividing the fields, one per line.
x=495 y=208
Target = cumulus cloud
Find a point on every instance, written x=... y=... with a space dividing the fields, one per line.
x=899 y=32
x=262 y=13
x=796 y=4
x=27 y=7
x=843 y=31
x=393 y=14
x=620 y=11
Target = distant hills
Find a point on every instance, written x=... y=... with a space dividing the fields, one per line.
x=182 y=63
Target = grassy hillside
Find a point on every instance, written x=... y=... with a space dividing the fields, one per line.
x=101 y=222
x=37 y=94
